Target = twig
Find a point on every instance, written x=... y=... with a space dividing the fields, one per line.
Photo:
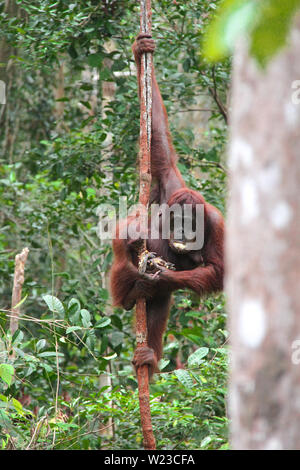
x=57 y=386
x=36 y=432
x=215 y=164
x=193 y=110
x=214 y=93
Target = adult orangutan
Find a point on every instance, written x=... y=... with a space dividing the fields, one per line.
x=200 y=270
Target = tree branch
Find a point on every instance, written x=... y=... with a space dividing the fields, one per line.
x=20 y=261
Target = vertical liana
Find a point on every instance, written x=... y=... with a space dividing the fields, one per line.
x=145 y=184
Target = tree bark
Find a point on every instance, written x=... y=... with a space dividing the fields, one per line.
x=20 y=261
x=263 y=254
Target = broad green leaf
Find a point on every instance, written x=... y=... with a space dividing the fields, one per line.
x=205 y=441
x=73 y=328
x=54 y=304
x=163 y=363
x=103 y=322
x=40 y=344
x=17 y=337
x=74 y=305
x=6 y=373
x=86 y=318
x=91 y=340
x=193 y=334
x=195 y=359
x=47 y=367
x=184 y=377
x=18 y=406
x=29 y=371
x=50 y=354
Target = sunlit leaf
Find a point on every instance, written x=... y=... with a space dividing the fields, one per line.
x=6 y=373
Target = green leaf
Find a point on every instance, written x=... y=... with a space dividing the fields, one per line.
x=47 y=367
x=40 y=344
x=163 y=363
x=86 y=318
x=73 y=328
x=195 y=359
x=193 y=334
x=91 y=340
x=95 y=60
x=86 y=104
x=21 y=301
x=54 y=304
x=29 y=371
x=103 y=322
x=91 y=192
x=63 y=99
x=17 y=337
x=17 y=406
x=50 y=354
x=74 y=305
x=205 y=441
x=6 y=373
x=184 y=377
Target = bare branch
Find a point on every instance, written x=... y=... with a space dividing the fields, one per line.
x=145 y=185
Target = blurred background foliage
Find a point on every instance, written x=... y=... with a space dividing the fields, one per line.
x=69 y=141
x=265 y=24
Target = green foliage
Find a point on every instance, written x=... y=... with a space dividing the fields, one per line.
x=265 y=22
x=62 y=154
x=56 y=382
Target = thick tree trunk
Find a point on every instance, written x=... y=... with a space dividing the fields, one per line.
x=263 y=252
